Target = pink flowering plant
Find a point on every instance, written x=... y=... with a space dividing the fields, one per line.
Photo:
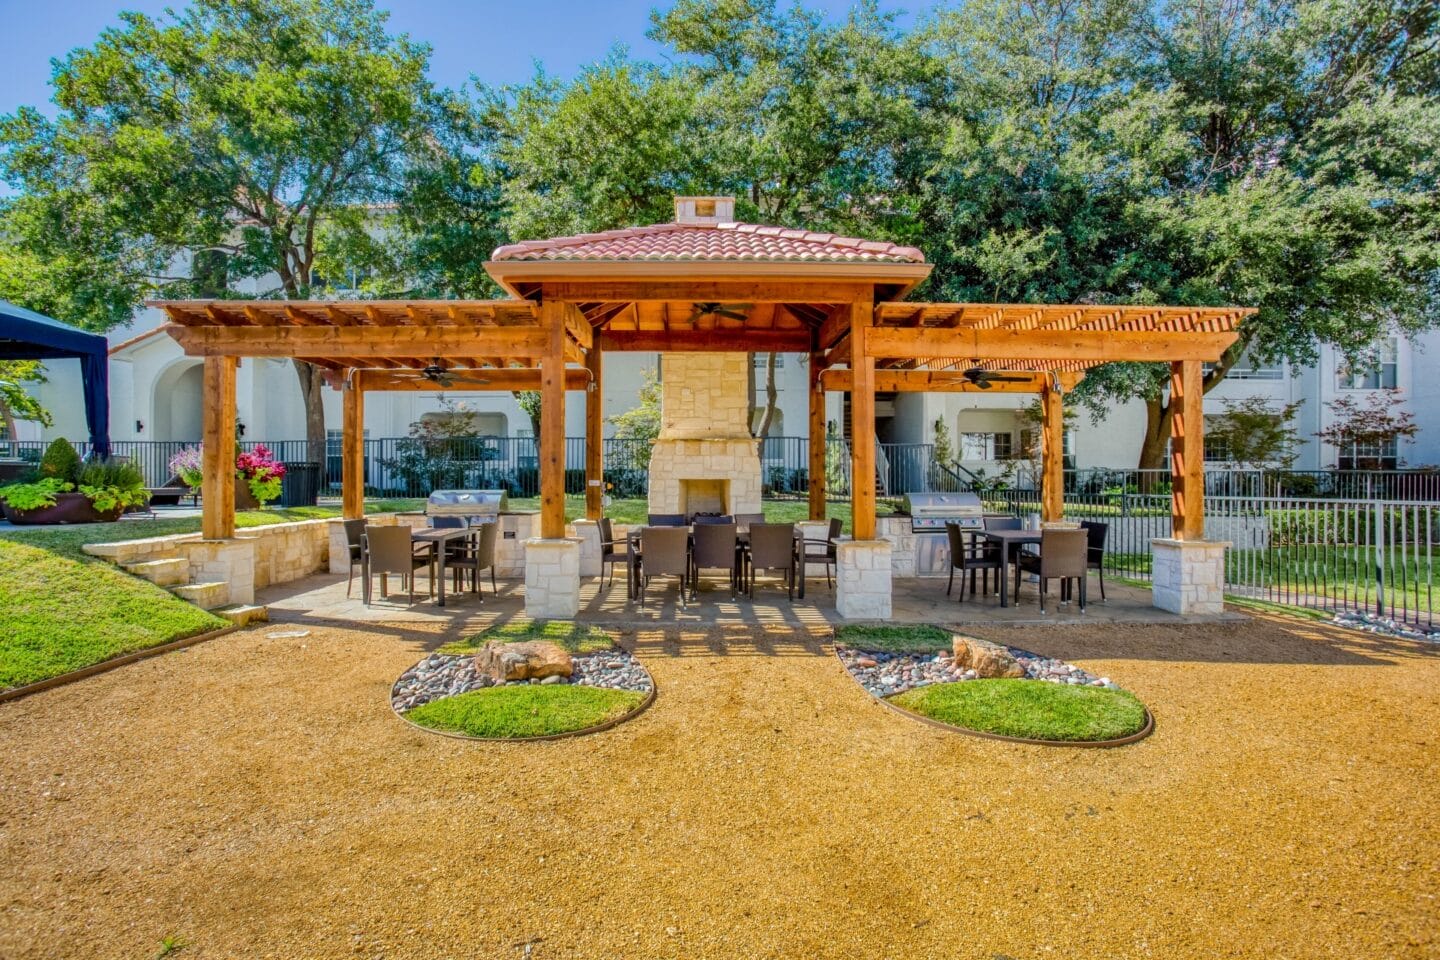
x=259 y=468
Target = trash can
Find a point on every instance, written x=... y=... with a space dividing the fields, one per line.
x=300 y=487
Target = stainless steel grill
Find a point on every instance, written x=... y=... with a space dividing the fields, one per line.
x=479 y=505
x=929 y=512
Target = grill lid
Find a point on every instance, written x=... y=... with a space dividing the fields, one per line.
x=466 y=503
x=943 y=505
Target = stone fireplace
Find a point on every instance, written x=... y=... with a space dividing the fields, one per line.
x=704 y=460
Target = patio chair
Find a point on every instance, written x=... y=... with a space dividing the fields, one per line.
x=612 y=551
x=1063 y=556
x=772 y=547
x=968 y=554
x=822 y=551
x=664 y=552
x=1095 y=557
x=667 y=520
x=475 y=555
x=715 y=548
x=355 y=540
x=389 y=550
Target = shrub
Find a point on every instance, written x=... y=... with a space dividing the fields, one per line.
x=187 y=465
x=112 y=483
x=33 y=496
x=60 y=461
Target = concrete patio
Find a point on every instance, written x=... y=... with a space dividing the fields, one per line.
x=321 y=598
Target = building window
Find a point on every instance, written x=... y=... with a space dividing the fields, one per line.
x=1217 y=449
x=1381 y=455
x=1248 y=368
x=986 y=446
x=1377 y=371
x=335 y=442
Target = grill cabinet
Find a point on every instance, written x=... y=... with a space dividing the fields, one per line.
x=479 y=506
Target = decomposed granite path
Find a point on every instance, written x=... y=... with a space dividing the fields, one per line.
x=255 y=797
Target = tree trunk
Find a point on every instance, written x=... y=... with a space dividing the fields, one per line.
x=7 y=420
x=312 y=395
x=772 y=397
x=750 y=392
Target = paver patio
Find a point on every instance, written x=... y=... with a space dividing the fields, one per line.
x=256 y=797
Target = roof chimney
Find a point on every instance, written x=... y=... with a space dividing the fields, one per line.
x=704 y=211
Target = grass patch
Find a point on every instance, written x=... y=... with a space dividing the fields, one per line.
x=1029 y=708
x=912 y=638
x=525 y=711
x=576 y=638
x=61 y=610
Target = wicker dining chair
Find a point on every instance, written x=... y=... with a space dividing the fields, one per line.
x=715 y=549
x=1095 y=556
x=772 y=547
x=1063 y=556
x=389 y=551
x=664 y=552
x=612 y=551
x=355 y=541
x=968 y=554
x=823 y=551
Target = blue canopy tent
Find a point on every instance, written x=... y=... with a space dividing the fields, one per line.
x=26 y=335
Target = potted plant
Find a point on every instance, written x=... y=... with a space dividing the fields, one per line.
x=65 y=490
x=258 y=474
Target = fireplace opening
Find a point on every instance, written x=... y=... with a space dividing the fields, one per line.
x=704 y=496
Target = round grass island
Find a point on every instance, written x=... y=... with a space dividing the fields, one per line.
x=926 y=672
x=585 y=683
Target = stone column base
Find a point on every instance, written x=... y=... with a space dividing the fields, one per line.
x=1188 y=576
x=224 y=561
x=588 y=533
x=862 y=579
x=552 y=578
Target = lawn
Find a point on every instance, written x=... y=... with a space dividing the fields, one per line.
x=63 y=610
x=525 y=711
x=576 y=638
x=912 y=638
x=1029 y=708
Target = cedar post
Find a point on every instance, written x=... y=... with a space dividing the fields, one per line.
x=594 y=436
x=862 y=422
x=817 y=439
x=1187 y=451
x=552 y=422
x=217 y=518
x=1052 y=454
x=352 y=449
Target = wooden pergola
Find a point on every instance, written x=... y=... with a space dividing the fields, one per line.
x=837 y=300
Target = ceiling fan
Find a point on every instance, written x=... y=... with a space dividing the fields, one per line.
x=985 y=379
x=441 y=377
x=730 y=311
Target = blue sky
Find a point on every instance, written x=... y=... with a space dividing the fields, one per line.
x=498 y=42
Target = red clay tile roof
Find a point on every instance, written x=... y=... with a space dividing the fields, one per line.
x=720 y=242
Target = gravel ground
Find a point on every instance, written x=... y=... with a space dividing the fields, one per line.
x=1370 y=623
x=256 y=798
x=884 y=673
x=441 y=675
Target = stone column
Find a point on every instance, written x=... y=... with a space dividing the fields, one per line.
x=552 y=578
x=588 y=533
x=862 y=579
x=224 y=561
x=1188 y=576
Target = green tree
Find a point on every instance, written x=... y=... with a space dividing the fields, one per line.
x=246 y=128
x=1254 y=432
x=1357 y=426
x=641 y=422
x=15 y=402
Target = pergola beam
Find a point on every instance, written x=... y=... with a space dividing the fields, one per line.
x=931 y=381
x=497 y=380
x=715 y=341
x=398 y=341
x=1097 y=346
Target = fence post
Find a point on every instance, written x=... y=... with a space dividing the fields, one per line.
x=1378 y=539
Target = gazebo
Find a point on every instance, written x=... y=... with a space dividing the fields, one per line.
x=27 y=335
x=705 y=284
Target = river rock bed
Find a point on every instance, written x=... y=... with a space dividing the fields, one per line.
x=884 y=673
x=1370 y=623
x=446 y=675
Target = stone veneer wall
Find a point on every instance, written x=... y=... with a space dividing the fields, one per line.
x=282 y=552
x=704 y=431
x=1188 y=576
x=552 y=579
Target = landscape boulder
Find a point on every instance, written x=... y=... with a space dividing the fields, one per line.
x=530 y=660
x=988 y=660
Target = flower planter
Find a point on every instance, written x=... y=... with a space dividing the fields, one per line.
x=244 y=499
x=69 y=508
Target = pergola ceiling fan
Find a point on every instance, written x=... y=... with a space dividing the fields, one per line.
x=441 y=377
x=730 y=311
x=985 y=379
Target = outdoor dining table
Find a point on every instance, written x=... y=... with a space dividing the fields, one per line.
x=439 y=539
x=742 y=534
x=1007 y=539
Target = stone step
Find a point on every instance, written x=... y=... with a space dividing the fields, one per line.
x=206 y=595
x=242 y=613
x=165 y=573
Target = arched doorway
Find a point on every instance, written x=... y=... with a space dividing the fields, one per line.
x=177 y=402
